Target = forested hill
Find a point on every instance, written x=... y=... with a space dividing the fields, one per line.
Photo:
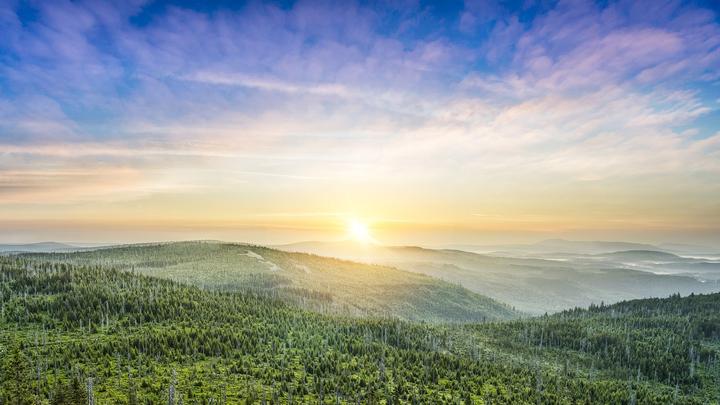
x=70 y=330
x=540 y=284
x=672 y=341
x=313 y=282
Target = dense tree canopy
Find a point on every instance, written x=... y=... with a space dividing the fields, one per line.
x=73 y=331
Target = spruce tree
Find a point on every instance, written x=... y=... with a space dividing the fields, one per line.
x=17 y=377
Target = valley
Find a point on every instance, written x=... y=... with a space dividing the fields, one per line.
x=539 y=282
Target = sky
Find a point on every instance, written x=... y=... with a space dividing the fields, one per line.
x=431 y=122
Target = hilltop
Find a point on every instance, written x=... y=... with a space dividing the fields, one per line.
x=313 y=282
x=37 y=247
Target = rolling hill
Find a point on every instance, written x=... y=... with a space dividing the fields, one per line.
x=642 y=255
x=537 y=285
x=665 y=340
x=706 y=270
x=37 y=247
x=321 y=284
x=550 y=246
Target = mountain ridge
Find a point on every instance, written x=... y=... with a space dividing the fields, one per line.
x=538 y=283
x=322 y=284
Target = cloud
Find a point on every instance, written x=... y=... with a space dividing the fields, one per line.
x=268 y=84
x=351 y=97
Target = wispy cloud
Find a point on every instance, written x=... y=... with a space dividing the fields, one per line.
x=123 y=102
x=268 y=84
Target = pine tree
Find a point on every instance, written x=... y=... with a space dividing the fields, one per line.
x=17 y=377
x=69 y=394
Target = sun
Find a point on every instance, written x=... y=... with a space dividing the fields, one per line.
x=359 y=231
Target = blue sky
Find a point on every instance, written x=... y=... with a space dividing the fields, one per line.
x=577 y=118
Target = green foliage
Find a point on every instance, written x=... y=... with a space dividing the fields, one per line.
x=69 y=393
x=17 y=381
x=660 y=340
x=141 y=338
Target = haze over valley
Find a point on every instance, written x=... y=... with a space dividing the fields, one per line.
x=548 y=281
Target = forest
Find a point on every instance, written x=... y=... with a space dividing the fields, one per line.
x=90 y=333
x=317 y=283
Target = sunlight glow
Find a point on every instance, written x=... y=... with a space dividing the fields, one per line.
x=359 y=231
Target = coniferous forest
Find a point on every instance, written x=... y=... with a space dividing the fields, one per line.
x=87 y=333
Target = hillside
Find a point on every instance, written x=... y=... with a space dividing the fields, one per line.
x=321 y=284
x=645 y=255
x=136 y=339
x=537 y=285
x=674 y=341
x=37 y=247
x=588 y=247
x=552 y=246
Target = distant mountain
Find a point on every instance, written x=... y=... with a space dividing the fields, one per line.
x=551 y=246
x=313 y=282
x=37 y=247
x=536 y=285
x=590 y=247
x=690 y=249
x=643 y=255
x=703 y=269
